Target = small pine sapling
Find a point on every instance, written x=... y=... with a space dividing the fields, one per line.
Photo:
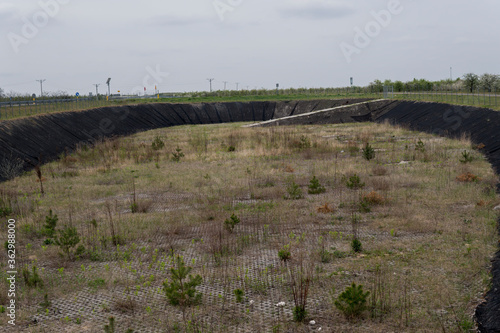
x=49 y=228
x=231 y=222
x=177 y=154
x=181 y=290
x=352 y=302
x=315 y=187
x=368 y=152
x=67 y=239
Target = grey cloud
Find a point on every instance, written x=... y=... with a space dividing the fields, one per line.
x=317 y=11
x=170 y=20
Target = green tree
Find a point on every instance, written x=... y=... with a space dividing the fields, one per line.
x=179 y=291
x=398 y=86
x=352 y=302
x=368 y=152
x=489 y=82
x=315 y=187
x=67 y=239
x=471 y=82
x=376 y=86
x=231 y=222
x=50 y=224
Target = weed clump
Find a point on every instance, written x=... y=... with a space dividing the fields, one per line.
x=157 y=143
x=32 y=279
x=177 y=155
x=284 y=253
x=356 y=245
x=315 y=187
x=231 y=222
x=420 y=146
x=303 y=143
x=239 y=295
x=466 y=157
x=354 y=182
x=352 y=302
x=293 y=190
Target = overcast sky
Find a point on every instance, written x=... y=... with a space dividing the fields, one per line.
x=177 y=45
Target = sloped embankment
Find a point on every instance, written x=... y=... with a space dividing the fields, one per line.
x=48 y=136
x=483 y=126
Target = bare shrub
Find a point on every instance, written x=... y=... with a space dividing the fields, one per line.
x=380 y=184
x=379 y=171
x=325 y=209
x=373 y=198
x=468 y=177
x=141 y=206
x=126 y=305
x=11 y=167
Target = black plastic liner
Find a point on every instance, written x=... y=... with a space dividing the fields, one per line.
x=483 y=126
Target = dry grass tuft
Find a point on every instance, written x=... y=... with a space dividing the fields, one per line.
x=325 y=209
x=468 y=177
x=127 y=305
x=379 y=171
x=373 y=198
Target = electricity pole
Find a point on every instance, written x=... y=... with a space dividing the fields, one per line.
x=237 y=83
x=225 y=82
x=97 y=90
x=109 y=90
x=210 y=83
x=41 y=86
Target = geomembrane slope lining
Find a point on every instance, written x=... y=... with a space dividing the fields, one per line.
x=483 y=127
x=51 y=135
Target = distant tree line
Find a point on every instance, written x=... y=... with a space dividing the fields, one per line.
x=470 y=82
x=16 y=96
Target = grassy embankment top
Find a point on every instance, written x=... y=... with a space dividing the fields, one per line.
x=480 y=100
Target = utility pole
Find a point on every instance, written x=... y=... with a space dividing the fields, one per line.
x=237 y=83
x=41 y=86
x=97 y=90
x=225 y=82
x=210 y=80
x=109 y=90
x=451 y=73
